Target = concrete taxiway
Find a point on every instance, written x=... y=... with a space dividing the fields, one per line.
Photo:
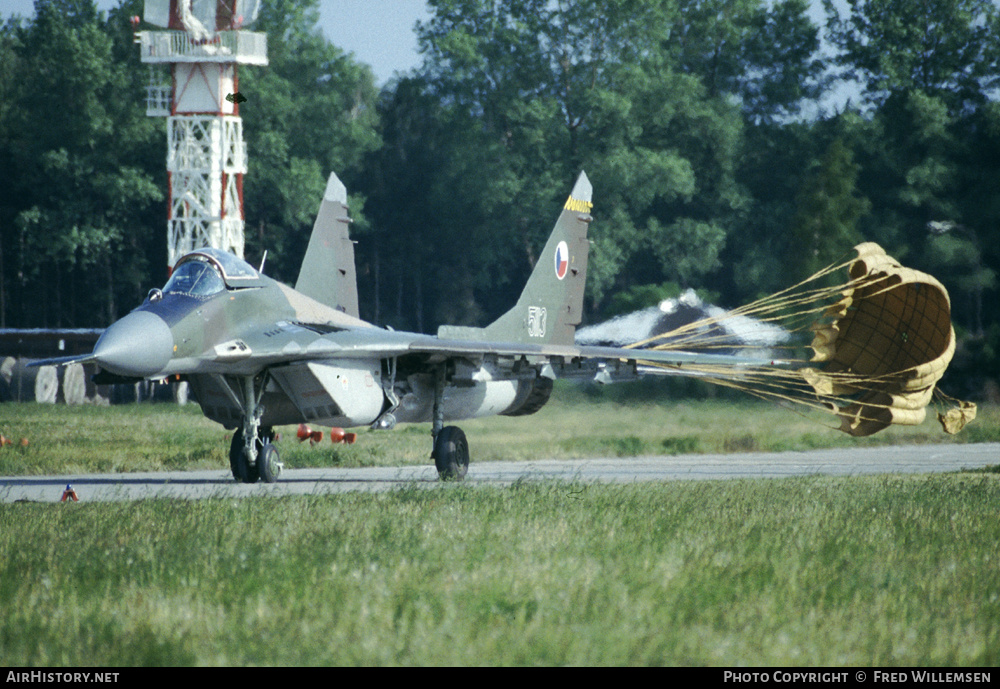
x=218 y=483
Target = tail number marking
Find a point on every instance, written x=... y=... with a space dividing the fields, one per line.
x=536 y=321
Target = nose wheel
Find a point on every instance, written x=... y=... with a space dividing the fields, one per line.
x=267 y=465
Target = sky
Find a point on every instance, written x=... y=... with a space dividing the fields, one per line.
x=379 y=32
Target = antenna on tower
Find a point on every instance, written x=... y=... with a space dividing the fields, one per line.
x=202 y=44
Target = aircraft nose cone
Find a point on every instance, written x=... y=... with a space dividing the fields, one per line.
x=137 y=346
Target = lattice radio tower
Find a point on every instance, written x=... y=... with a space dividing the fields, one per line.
x=206 y=156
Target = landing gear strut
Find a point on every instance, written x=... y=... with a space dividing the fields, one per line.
x=451 y=449
x=252 y=455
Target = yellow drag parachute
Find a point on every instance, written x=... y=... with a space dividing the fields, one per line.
x=886 y=344
x=879 y=348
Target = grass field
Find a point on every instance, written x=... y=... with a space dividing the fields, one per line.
x=817 y=571
x=884 y=570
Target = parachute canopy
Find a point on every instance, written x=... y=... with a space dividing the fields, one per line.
x=885 y=344
x=880 y=343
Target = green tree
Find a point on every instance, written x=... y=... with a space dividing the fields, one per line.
x=825 y=226
x=928 y=150
x=962 y=248
x=946 y=49
x=979 y=185
x=309 y=112
x=74 y=148
x=81 y=204
x=910 y=152
x=526 y=93
x=763 y=54
x=774 y=70
x=755 y=258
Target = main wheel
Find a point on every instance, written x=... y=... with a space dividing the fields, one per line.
x=451 y=454
x=269 y=464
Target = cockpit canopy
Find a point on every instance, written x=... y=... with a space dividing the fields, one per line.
x=208 y=271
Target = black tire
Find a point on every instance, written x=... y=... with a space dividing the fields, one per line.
x=269 y=464
x=451 y=454
x=242 y=471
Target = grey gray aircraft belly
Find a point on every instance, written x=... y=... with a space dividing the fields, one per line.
x=260 y=354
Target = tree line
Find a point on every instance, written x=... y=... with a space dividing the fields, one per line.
x=722 y=152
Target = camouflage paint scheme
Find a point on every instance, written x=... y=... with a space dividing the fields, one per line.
x=258 y=353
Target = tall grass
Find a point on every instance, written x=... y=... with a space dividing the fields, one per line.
x=806 y=571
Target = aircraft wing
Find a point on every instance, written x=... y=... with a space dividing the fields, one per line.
x=576 y=353
x=569 y=361
x=602 y=364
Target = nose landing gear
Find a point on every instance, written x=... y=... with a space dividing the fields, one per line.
x=267 y=465
x=252 y=454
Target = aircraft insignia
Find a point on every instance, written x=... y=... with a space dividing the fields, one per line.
x=562 y=260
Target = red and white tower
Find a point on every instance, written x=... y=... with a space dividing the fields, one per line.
x=206 y=154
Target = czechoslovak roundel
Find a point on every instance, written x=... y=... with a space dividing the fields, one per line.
x=562 y=260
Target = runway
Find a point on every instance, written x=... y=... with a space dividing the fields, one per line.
x=218 y=483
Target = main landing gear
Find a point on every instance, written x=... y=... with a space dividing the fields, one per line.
x=451 y=449
x=253 y=456
x=451 y=453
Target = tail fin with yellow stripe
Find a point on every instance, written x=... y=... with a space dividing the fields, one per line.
x=551 y=305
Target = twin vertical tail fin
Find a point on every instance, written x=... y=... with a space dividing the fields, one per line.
x=328 y=274
x=551 y=305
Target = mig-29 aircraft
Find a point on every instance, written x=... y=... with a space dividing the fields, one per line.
x=259 y=354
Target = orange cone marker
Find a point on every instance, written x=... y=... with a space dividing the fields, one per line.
x=69 y=493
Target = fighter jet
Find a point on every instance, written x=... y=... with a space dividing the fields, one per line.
x=259 y=354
